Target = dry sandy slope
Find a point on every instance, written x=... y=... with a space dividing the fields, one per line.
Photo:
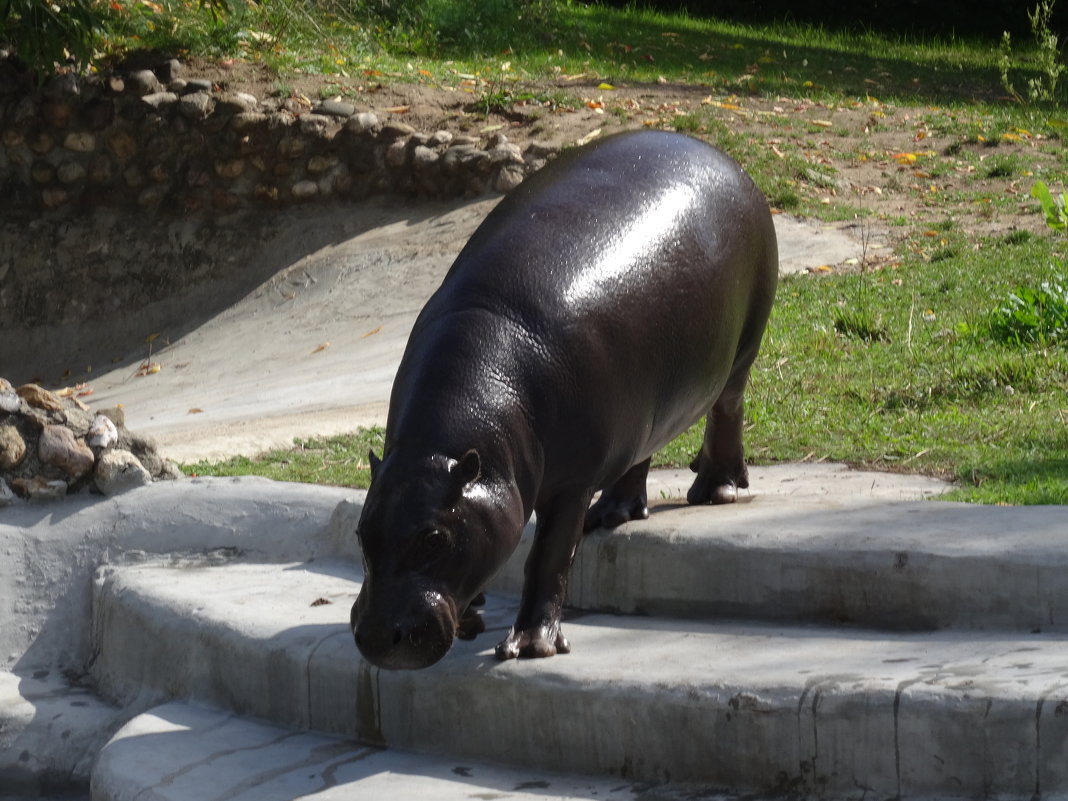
x=313 y=350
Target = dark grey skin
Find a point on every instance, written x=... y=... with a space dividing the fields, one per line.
x=608 y=303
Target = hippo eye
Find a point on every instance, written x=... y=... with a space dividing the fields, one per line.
x=433 y=544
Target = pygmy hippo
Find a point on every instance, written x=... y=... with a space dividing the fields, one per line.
x=604 y=306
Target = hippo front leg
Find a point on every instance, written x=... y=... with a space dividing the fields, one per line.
x=536 y=632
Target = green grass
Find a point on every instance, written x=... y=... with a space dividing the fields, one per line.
x=435 y=40
x=340 y=460
x=899 y=367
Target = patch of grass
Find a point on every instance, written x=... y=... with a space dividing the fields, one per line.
x=340 y=460
x=923 y=389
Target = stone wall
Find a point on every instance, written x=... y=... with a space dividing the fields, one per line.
x=154 y=140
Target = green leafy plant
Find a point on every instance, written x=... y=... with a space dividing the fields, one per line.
x=1055 y=209
x=1038 y=315
x=45 y=34
x=1043 y=87
x=1034 y=315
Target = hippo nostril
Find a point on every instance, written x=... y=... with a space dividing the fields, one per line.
x=398 y=635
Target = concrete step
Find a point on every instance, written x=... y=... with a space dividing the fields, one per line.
x=50 y=731
x=745 y=707
x=822 y=544
x=183 y=752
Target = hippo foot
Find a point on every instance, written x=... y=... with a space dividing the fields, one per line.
x=611 y=512
x=471 y=623
x=719 y=487
x=533 y=643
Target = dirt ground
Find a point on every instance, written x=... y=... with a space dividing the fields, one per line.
x=916 y=165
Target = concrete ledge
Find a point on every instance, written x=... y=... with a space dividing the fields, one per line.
x=50 y=734
x=180 y=752
x=748 y=707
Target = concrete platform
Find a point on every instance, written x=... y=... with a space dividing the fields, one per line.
x=750 y=707
x=182 y=752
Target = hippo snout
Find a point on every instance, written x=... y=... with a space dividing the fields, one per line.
x=416 y=638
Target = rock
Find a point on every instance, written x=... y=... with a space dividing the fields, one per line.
x=56 y=114
x=77 y=418
x=102 y=433
x=9 y=399
x=80 y=142
x=303 y=190
x=70 y=172
x=41 y=142
x=229 y=169
x=39 y=488
x=54 y=198
x=118 y=470
x=196 y=106
x=397 y=153
x=142 y=83
x=247 y=120
x=505 y=152
x=169 y=70
x=441 y=138
x=146 y=451
x=198 y=85
x=362 y=123
x=98 y=113
x=335 y=108
x=63 y=85
x=59 y=447
x=40 y=398
x=12 y=447
x=314 y=124
x=396 y=130
x=42 y=172
x=115 y=414
x=509 y=177
x=237 y=103
x=159 y=100
x=122 y=145
x=7 y=495
x=423 y=157
x=320 y=164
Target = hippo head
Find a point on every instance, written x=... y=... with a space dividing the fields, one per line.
x=431 y=538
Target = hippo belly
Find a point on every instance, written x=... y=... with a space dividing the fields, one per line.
x=608 y=303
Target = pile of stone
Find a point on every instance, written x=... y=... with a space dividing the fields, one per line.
x=51 y=445
x=157 y=140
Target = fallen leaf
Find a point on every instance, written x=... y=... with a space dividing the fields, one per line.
x=596 y=105
x=398 y=109
x=607 y=87
x=151 y=337
x=321 y=602
x=821 y=123
x=491 y=128
x=195 y=410
x=322 y=347
x=372 y=332
x=585 y=140
x=905 y=158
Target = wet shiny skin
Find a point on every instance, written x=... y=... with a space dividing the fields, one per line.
x=609 y=302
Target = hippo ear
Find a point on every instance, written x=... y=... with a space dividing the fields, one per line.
x=469 y=468
x=374 y=461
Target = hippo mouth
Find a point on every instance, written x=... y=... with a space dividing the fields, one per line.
x=410 y=641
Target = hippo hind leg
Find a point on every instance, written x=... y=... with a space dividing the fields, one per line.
x=720 y=464
x=624 y=500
